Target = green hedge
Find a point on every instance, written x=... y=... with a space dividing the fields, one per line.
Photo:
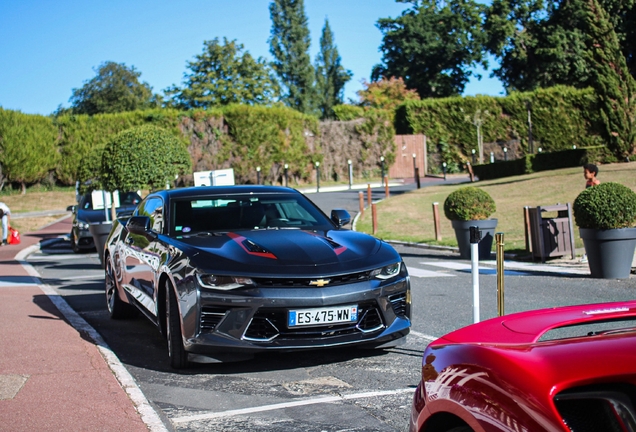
x=541 y=162
x=561 y=117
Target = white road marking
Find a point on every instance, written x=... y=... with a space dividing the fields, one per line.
x=423 y=336
x=509 y=265
x=452 y=265
x=18 y=281
x=148 y=415
x=301 y=402
x=99 y=275
x=61 y=257
x=427 y=273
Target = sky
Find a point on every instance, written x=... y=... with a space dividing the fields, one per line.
x=50 y=47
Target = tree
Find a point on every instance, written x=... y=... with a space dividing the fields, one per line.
x=386 y=93
x=331 y=76
x=289 y=44
x=221 y=75
x=432 y=46
x=116 y=88
x=612 y=81
x=542 y=44
x=142 y=157
x=28 y=148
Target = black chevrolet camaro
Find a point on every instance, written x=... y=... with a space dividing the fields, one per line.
x=226 y=272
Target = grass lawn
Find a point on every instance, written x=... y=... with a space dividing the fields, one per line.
x=409 y=217
x=37 y=200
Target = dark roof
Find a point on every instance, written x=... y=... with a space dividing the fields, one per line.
x=197 y=191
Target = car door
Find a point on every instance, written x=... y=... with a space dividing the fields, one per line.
x=142 y=257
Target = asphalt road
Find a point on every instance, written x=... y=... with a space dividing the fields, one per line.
x=335 y=390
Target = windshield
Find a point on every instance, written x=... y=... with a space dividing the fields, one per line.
x=229 y=213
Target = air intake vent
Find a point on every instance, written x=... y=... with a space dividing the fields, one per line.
x=398 y=301
x=598 y=409
x=210 y=317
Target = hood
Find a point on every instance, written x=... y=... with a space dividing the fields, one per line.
x=511 y=346
x=289 y=251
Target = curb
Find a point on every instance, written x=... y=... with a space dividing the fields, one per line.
x=147 y=413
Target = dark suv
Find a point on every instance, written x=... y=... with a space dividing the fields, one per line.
x=84 y=214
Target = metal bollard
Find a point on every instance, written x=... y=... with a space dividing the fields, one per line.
x=499 y=239
x=361 y=199
x=386 y=186
x=369 y=194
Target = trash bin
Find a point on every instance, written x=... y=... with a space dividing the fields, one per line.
x=549 y=237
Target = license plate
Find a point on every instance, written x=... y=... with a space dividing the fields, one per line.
x=323 y=316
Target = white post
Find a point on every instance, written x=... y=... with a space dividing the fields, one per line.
x=474 y=265
x=475 y=237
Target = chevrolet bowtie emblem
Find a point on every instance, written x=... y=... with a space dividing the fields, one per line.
x=320 y=282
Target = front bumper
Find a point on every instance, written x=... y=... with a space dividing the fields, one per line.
x=256 y=320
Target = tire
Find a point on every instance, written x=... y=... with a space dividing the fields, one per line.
x=117 y=308
x=74 y=246
x=176 y=351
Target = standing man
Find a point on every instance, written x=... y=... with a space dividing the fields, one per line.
x=5 y=213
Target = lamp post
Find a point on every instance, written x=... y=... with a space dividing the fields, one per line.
x=530 y=140
x=382 y=163
x=444 y=169
x=505 y=149
x=258 y=175
x=286 y=168
x=416 y=173
x=317 y=176
x=473 y=152
x=492 y=157
x=350 y=174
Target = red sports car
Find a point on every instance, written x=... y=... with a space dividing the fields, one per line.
x=563 y=369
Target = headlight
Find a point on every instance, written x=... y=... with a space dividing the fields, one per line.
x=387 y=272
x=224 y=283
x=82 y=225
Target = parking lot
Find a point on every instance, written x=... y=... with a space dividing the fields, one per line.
x=330 y=390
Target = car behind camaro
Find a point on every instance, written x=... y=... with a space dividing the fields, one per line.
x=242 y=269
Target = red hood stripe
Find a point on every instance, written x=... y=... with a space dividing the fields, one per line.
x=240 y=239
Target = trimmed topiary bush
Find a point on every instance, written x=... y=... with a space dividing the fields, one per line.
x=141 y=157
x=469 y=203
x=606 y=206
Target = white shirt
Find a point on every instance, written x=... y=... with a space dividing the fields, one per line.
x=4 y=208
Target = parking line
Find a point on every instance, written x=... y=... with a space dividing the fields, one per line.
x=302 y=402
x=423 y=336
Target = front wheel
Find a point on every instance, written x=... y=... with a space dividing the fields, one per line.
x=116 y=307
x=176 y=351
x=74 y=247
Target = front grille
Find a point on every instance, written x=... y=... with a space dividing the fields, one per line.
x=306 y=282
x=211 y=316
x=398 y=301
x=268 y=324
x=592 y=409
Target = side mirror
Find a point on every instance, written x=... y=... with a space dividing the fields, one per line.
x=138 y=225
x=340 y=217
x=71 y=208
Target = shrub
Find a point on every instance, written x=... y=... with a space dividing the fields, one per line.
x=469 y=203
x=606 y=206
x=143 y=156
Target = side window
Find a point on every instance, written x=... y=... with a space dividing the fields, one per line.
x=152 y=207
